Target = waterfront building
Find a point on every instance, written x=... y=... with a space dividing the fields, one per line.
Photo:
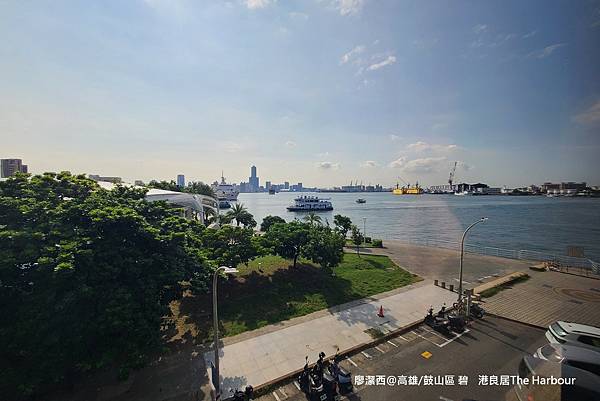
x=286 y=185
x=11 y=166
x=253 y=180
x=268 y=185
x=180 y=180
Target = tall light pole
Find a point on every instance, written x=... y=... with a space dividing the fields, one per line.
x=365 y=227
x=216 y=377
x=462 y=249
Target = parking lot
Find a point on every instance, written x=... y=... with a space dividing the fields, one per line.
x=491 y=347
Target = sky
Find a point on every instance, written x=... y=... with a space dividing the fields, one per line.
x=316 y=91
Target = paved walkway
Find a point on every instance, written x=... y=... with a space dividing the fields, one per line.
x=267 y=357
x=547 y=297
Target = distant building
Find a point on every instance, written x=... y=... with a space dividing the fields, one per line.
x=139 y=183
x=253 y=180
x=114 y=180
x=286 y=185
x=181 y=180
x=11 y=166
x=244 y=187
x=563 y=188
x=268 y=185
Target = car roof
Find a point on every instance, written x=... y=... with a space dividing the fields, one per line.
x=578 y=328
x=576 y=353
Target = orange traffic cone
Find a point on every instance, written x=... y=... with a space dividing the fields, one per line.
x=380 y=313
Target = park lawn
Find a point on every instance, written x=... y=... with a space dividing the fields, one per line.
x=280 y=292
x=351 y=244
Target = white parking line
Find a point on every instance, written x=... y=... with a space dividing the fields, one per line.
x=426 y=339
x=402 y=337
x=434 y=333
x=379 y=349
x=276 y=396
x=445 y=399
x=454 y=338
x=366 y=355
x=352 y=362
x=283 y=392
x=464 y=281
x=297 y=385
x=389 y=342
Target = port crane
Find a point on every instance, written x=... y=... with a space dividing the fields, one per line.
x=451 y=178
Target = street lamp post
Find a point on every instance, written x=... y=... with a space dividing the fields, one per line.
x=462 y=248
x=365 y=227
x=217 y=380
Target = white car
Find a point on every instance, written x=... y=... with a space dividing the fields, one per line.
x=572 y=355
x=576 y=334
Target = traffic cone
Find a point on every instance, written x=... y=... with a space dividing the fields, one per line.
x=380 y=313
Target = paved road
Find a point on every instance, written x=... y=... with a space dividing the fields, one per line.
x=491 y=347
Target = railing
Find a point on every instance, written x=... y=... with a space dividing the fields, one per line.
x=588 y=266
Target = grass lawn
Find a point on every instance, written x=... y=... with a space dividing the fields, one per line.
x=270 y=290
x=351 y=244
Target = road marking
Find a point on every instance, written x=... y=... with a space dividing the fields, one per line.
x=453 y=338
x=283 y=392
x=379 y=349
x=464 y=281
x=425 y=355
x=445 y=399
x=434 y=333
x=297 y=385
x=426 y=339
x=352 y=362
x=276 y=396
x=366 y=355
x=389 y=342
x=404 y=338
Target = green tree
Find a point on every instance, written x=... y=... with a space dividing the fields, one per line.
x=247 y=220
x=287 y=239
x=312 y=219
x=357 y=239
x=197 y=187
x=238 y=212
x=230 y=246
x=166 y=185
x=86 y=276
x=269 y=221
x=325 y=247
x=342 y=224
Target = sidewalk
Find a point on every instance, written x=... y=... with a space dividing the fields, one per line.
x=267 y=357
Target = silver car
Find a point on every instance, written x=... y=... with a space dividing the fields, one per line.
x=580 y=335
x=577 y=357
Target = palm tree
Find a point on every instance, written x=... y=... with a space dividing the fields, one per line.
x=312 y=218
x=236 y=212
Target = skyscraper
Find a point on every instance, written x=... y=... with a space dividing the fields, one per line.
x=181 y=181
x=253 y=180
x=11 y=166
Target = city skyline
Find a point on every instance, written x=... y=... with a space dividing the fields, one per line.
x=152 y=89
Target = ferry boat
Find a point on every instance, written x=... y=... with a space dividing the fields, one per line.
x=310 y=204
x=408 y=190
x=225 y=191
x=361 y=200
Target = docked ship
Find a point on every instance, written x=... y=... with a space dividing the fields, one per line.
x=224 y=191
x=408 y=190
x=310 y=204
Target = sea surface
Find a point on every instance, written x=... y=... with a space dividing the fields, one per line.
x=534 y=223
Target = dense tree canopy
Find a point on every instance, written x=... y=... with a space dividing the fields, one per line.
x=342 y=224
x=268 y=221
x=86 y=275
x=192 y=187
x=287 y=239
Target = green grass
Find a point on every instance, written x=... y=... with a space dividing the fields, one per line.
x=490 y=292
x=279 y=292
x=351 y=244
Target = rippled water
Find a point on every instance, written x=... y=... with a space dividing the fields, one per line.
x=534 y=223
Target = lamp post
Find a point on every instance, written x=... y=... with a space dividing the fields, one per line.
x=462 y=248
x=365 y=227
x=217 y=380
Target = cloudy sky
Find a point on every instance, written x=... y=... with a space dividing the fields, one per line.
x=318 y=91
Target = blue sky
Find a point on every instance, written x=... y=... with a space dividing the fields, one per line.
x=318 y=91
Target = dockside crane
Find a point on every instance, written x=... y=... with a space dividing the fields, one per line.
x=451 y=178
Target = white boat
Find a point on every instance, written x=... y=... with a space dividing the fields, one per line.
x=310 y=204
x=463 y=193
x=225 y=191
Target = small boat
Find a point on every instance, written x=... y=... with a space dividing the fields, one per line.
x=310 y=204
x=223 y=204
x=361 y=200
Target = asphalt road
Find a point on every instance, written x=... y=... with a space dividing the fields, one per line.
x=491 y=346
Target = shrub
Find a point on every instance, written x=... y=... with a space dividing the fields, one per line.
x=368 y=240
x=377 y=243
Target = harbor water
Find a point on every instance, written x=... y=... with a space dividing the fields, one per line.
x=534 y=223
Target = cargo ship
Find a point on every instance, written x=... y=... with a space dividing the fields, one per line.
x=408 y=190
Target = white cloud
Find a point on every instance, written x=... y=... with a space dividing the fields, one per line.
x=424 y=165
x=349 y=7
x=348 y=56
x=529 y=34
x=546 y=51
x=464 y=166
x=590 y=116
x=389 y=60
x=398 y=163
x=230 y=147
x=290 y=144
x=394 y=137
x=256 y=4
x=328 y=165
x=479 y=28
x=369 y=164
x=323 y=154
x=298 y=16
x=421 y=146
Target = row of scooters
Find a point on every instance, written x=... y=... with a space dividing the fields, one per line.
x=445 y=322
x=325 y=381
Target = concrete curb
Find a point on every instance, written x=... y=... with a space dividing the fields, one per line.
x=264 y=388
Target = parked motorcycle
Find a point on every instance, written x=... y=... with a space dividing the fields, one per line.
x=304 y=378
x=246 y=395
x=317 y=390
x=476 y=310
x=437 y=322
x=342 y=376
x=457 y=323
